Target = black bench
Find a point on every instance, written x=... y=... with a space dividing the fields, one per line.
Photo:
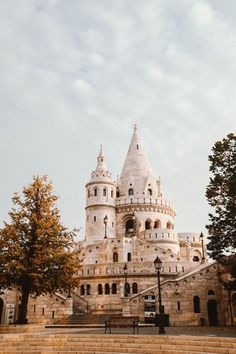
x=120 y=321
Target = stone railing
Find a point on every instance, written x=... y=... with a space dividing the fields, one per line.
x=161 y=202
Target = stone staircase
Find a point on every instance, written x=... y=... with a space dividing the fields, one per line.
x=45 y=343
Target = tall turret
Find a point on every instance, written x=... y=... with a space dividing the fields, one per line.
x=100 y=206
x=142 y=211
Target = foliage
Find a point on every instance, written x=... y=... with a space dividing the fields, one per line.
x=36 y=254
x=221 y=195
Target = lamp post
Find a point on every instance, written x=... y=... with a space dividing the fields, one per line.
x=105 y=223
x=125 y=273
x=202 y=240
x=157 y=265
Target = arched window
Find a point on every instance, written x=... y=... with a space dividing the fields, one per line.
x=115 y=257
x=82 y=290
x=196 y=304
x=88 y=193
x=147 y=225
x=168 y=225
x=129 y=257
x=114 y=288
x=211 y=292
x=117 y=194
x=104 y=192
x=157 y=224
x=129 y=226
x=99 y=289
x=131 y=191
x=95 y=192
x=134 y=288
x=112 y=193
x=107 y=289
x=149 y=191
x=88 y=288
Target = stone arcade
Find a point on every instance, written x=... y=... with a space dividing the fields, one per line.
x=129 y=223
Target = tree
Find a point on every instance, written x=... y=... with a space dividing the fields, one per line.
x=36 y=249
x=221 y=195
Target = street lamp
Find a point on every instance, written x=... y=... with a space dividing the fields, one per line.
x=125 y=273
x=158 y=265
x=105 y=223
x=202 y=240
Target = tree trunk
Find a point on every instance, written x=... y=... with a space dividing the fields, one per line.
x=23 y=307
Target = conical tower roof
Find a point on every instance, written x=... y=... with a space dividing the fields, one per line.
x=101 y=172
x=137 y=172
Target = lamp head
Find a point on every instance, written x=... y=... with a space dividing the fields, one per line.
x=105 y=219
x=157 y=263
x=201 y=236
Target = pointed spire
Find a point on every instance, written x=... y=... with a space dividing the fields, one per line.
x=101 y=170
x=136 y=169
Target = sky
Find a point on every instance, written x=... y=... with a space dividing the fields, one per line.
x=76 y=74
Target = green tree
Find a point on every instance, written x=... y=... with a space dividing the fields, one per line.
x=221 y=195
x=36 y=249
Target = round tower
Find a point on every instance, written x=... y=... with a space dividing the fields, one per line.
x=142 y=211
x=100 y=203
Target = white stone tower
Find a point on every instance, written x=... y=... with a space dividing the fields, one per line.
x=142 y=211
x=100 y=205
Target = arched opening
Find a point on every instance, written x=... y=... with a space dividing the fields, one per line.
x=107 y=289
x=1 y=309
x=212 y=313
x=95 y=192
x=196 y=259
x=82 y=290
x=168 y=225
x=115 y=257
x=112 y=193
x=157 y=224
x=88 y=289
x=196 y=304
x=148 y=225
x=149 y=192
x=99 y=289
x=129 y=228
x=114 y=288
x=131 y=191
x=129 y=257
x=134 y=288
x=117 y=193
x=104 y=192
x=211 y=292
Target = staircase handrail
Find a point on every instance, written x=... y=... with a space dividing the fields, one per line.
x=82 y=300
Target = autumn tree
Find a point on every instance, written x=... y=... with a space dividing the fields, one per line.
x=35 y=248
x=221 y=195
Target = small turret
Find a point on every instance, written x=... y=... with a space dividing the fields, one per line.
x=100 y=206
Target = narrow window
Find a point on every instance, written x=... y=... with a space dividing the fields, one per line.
x=129 y=257
x=134 y=288
x=137 y=147
x=88 y=289
x=94 y=218
x=115 y=257
x=131 y=191
x=112 y=193
x=149 y=191
x=34 y=308
x=95 y=192
x=147 y=225
x=43 y=311
x=114 y=288
x=196 y=304
x=107 y=289
x=178 y=305
x=53 y=315
x=88 y=193
x=104 y=192
x=99 y=289
x=82 y=290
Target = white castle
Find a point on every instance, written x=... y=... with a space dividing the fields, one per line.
x=128 y=224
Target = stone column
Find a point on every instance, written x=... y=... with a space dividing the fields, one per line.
x=125 y=306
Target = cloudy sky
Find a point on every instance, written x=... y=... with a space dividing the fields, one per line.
x=76 y=74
